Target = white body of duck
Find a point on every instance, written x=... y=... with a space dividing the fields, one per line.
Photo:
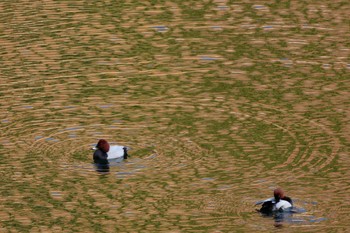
x=116 y=152
x=282 y=205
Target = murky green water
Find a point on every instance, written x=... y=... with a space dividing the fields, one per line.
x=219 y=101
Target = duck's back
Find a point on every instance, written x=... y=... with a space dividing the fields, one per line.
x=115 y=152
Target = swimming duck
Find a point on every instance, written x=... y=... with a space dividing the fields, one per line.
x=279 y=202
x=104 y=152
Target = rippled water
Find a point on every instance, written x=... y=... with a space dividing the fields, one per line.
x=219 y=101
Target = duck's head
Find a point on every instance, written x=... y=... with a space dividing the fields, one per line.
x=278 y=194
x=103 y=145
x=125 y=149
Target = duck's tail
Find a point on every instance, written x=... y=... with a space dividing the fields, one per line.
x=125 y=155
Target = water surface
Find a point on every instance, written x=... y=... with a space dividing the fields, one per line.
x=220 y=101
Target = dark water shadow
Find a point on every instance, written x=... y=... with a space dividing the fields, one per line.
x=105 y=168
x=293 y=215
x=102 y=168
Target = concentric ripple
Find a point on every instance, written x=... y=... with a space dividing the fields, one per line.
x=219 y=102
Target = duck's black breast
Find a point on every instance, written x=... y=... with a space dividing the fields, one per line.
x=100 y=157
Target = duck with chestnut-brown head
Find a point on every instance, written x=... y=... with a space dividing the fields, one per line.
x=279 y=202
x=105 y=153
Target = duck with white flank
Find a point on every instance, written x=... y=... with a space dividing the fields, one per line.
x=278 y=203
x=104 y=152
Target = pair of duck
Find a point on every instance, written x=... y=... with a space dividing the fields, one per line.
x=104 y=152
x=278 y=203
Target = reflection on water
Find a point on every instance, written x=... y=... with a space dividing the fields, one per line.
x=221 y=101
x=296 y=216
x=102 y=168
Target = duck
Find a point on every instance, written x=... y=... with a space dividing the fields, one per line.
x=278 y=203
x=104 y=152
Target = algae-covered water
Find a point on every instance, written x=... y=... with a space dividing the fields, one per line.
x=219 y=102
